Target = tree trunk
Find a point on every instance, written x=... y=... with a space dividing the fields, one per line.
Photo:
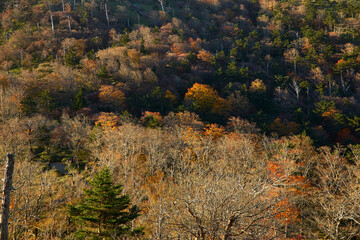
x=6 y=197
x=342 y=80
x=69 y=23
x=162 y=5
x=308 y=100
x=107 y=15
x=52 y=23
x=51 y=17
x=160 y=225
x=228 y=228
x=21 y=57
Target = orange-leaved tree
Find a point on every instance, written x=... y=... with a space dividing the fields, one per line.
x=107 y=121
x=112 y=95
x=205 y=99
x=288 y=168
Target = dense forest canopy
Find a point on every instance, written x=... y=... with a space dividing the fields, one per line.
x=222 y=119
x=289 y=66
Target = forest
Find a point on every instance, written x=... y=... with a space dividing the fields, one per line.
x=181 y=119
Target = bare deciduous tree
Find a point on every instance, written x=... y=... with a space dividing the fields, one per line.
x=336 y=209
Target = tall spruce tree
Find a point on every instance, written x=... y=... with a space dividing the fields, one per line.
x=104 y=213
x=79 y=100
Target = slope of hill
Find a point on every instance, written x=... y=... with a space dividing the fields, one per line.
x=164 y=92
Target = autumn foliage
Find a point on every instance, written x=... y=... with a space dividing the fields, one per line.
x=203 y=98
x=222 y=119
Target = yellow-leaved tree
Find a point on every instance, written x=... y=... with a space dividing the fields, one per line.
x=112 y=95
x=205 y=99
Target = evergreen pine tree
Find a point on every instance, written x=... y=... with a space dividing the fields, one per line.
x=71 y=59
x=142 y=47
x=104 y=75
x=46 y=102
x=79 y=100
x=125 y=39
x=232 y=71
x=28 y=106
x=104 y=213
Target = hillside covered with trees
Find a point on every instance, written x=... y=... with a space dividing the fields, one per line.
x=191 y=119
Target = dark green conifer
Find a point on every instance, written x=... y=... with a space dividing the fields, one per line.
x=104 y=213
x=28 y=106
x=46 y=101
x=104 y=75
x=125 y=39
x=71 y=59
x=79 y=100
x=142 y=47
